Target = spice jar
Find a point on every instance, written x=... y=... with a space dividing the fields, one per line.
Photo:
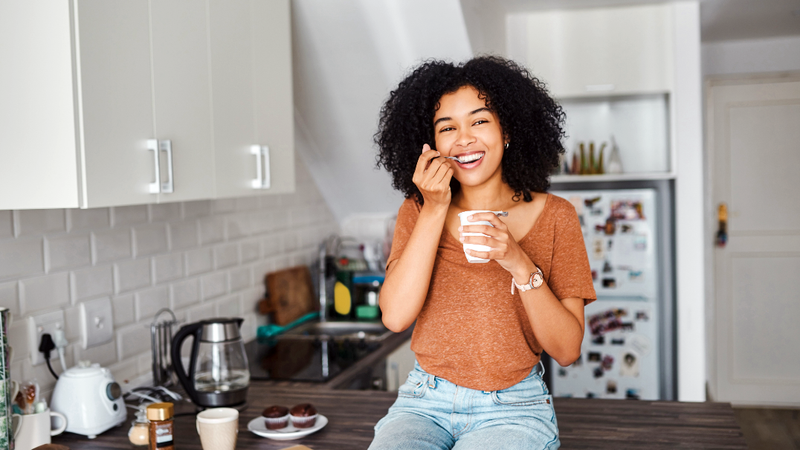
x=161 y=426
x=140 y=430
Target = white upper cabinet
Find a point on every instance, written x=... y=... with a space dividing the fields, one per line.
x=110 y=103
x=252 y=96
x=591 y=52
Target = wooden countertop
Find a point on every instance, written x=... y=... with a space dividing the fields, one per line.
x=584 y=423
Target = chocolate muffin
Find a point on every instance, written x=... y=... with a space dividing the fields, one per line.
x=276 y=417
x=303 y=415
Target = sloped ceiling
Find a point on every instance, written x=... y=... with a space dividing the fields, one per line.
x=348 y=55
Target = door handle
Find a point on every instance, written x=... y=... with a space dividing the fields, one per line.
x=262 y=179
x=169 y=186
x=722 y=230
x=155 y=187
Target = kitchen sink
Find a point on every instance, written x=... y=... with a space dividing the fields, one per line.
x=369 y=331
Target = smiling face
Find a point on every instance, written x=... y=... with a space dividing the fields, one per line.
x=466 y=128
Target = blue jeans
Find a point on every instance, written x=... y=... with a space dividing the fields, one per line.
x=433 y=413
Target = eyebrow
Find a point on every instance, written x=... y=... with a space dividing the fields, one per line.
x=442 y=119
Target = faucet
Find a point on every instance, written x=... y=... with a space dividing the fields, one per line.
x=324 y=250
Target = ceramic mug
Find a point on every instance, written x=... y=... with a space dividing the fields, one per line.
x=218 y=428
x=477 y=247
x=33 y=430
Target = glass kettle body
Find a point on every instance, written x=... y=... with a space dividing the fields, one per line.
x=218 y=374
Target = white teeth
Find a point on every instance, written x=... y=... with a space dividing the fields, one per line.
x=470 y=158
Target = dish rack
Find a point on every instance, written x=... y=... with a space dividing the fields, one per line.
x=161 y=344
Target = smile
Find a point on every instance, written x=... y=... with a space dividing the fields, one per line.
x=470 y=159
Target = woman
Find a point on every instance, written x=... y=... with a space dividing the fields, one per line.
x=477 y=383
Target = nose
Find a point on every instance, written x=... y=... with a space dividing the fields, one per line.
x=465 y=138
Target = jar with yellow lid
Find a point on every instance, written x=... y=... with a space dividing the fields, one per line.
x=162 y=428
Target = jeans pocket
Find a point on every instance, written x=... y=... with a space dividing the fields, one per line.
x=530 y=391
x=414 y=387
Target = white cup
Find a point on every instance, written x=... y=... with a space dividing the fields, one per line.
x=477 y=247
x=218 y=428
x=33 y=430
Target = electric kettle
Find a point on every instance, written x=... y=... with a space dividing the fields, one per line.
x=218 y=373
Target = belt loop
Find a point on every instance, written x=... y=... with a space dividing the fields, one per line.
x=432 y=381
x=542 y=366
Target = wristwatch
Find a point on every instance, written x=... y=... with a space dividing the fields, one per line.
x=536 y=281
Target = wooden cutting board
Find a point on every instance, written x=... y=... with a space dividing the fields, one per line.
x=290 y=294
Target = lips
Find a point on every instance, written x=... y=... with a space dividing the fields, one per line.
x=470 y=159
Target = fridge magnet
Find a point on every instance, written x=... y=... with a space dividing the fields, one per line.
x=642 y=316
x=640 y=242
x=562 y=372
x=608 y=362
x=598 y=249
x=578 y=362
x=606 y=321
x=640 y=344
x=591 y=202
x=611 y=387
x=629 y=366
x=597 y=372
x=618 y=341
x=594 y=357
x=632 y=394
x=636 y=276
x=610 y=244
x=626 y=228
x=599 y=340
x=592 y=394
x=594 y=275
x=627 y=210
x=610 y=227
x=609 y=283
x=607 y=267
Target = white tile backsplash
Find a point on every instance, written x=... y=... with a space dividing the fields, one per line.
x=47 y=292
x=203 y=259
x=111 y=245
x=67 y=252
x=38 y=221
x=92 y=282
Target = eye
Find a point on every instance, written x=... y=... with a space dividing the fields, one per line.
x=446 y=129
x=480 y=121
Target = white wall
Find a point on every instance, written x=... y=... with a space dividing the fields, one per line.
x=202 y=259
x=752 y=56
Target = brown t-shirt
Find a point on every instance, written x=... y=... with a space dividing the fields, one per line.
x=472 y=331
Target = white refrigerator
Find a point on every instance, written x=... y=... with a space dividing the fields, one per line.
x=620 y=354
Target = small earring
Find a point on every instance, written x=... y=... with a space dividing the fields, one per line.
x=506 y=146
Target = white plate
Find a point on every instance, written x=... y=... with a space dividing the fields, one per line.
x=258 y=427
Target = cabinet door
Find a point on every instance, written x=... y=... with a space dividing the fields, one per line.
x=274 y=108
x=182 y=96
x=623 y=50
x=232 y=86
x=112 y=42
x=38 y=167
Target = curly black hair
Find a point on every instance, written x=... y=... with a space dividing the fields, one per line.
x=531 y=120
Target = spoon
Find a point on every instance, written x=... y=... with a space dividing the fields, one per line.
x=448 y=157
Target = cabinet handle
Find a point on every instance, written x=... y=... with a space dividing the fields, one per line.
x=262 y=179
x=256 y=150
x=155 y=187
x=169 y=186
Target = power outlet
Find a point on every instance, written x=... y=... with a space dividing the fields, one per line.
x=39 y=325
x=97 y=322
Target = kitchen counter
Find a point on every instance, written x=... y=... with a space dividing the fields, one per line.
x=584 y=423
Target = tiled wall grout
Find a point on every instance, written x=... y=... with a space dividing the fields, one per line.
x=202 y=258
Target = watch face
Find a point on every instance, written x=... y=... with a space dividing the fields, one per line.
x=537 y=280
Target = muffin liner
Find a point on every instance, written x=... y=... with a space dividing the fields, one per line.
x=303 y=421
x=276 y=423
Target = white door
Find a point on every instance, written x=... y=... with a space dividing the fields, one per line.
x=754 y=159
x=232 y=86
x=116 y=110
x=182 y=94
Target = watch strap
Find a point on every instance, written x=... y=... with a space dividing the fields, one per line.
x=529 y=285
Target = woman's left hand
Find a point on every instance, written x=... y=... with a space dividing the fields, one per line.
x=504 y=248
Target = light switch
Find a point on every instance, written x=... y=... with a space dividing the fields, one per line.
x=97 y=322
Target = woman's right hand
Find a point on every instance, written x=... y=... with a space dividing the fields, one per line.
x=432 y=177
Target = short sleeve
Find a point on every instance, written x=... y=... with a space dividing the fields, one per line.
x=406 y=219
x=570 y=274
